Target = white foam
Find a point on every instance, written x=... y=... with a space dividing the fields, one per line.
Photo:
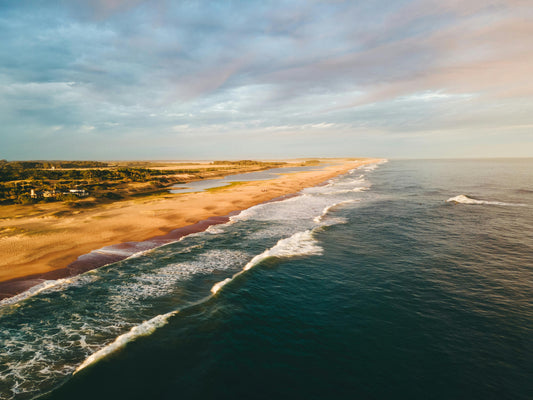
x=113 y=251
x=145 y=329
x=309 y=203
x=463 y=199
x=342 y=191
x=134 y=286
x=299 y=212
x=369 y=167
x=214 y=229
x=217 y=286
x=49 y=285
x=140 y=253
x=299 y=244
x=31 y=291
x=157 y=282
x=327 y=209
x=267 y=211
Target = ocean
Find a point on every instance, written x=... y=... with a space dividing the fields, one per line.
x=410 y=279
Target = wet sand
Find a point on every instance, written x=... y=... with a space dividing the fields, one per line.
x=52 y=247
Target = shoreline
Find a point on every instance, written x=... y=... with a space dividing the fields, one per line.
x=115 y=238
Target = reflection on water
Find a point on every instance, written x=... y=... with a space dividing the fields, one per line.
x=273 y=173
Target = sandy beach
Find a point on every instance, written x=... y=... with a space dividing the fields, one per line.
x=35 y=242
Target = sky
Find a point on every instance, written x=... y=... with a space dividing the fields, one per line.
x=170 y=80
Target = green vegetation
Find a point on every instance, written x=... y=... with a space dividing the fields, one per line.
x=9 y=172
x=228 y=186
x=30 y=182
x=52 y=164
x=310 y=163
x=17 y=179
x=248 y=163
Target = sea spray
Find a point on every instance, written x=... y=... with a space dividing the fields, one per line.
x=49 y=286
x=463 y=199
x=299 y=244
x=145 y=329
x=327 y=209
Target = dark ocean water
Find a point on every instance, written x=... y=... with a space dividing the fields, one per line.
x=373 y=286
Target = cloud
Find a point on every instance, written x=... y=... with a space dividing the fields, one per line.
x=145 y=68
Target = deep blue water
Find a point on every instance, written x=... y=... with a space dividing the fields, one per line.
x=371 y=287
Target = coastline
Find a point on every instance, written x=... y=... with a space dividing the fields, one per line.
x=67 y=246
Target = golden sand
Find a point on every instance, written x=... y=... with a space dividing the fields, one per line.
x=33 y=240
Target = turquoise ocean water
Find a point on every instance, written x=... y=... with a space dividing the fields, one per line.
x=407 y=279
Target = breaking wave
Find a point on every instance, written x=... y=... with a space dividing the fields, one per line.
x=299 y=244
x=49 y=286
x=153 y=281
x=327 y=209
x=463 y=199
x=145 y=329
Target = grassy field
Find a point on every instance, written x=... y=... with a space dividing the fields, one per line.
x=38 y=182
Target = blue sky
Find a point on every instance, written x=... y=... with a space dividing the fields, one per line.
x=121 y=79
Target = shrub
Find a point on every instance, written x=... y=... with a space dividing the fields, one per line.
x=112 y=196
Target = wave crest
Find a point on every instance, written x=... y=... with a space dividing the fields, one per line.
x=299 y=244
x=463 y=199
x=145 y=329
x=327 y=209
x=49 y=286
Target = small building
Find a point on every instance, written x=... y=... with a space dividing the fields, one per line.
x=39 y=194
x=49 y=193
x=79 y=192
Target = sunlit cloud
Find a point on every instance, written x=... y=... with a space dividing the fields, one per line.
x=333 y=76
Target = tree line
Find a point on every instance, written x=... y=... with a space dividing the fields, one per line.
x=53 y=164
x=10 y=173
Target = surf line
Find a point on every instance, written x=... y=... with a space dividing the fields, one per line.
x=144 y=329
x=327 y=209
x=18 y=289
x=117 y=252
x=299 y=244
x=464 y=199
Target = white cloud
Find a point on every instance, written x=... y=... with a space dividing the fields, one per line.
x=287 y=68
